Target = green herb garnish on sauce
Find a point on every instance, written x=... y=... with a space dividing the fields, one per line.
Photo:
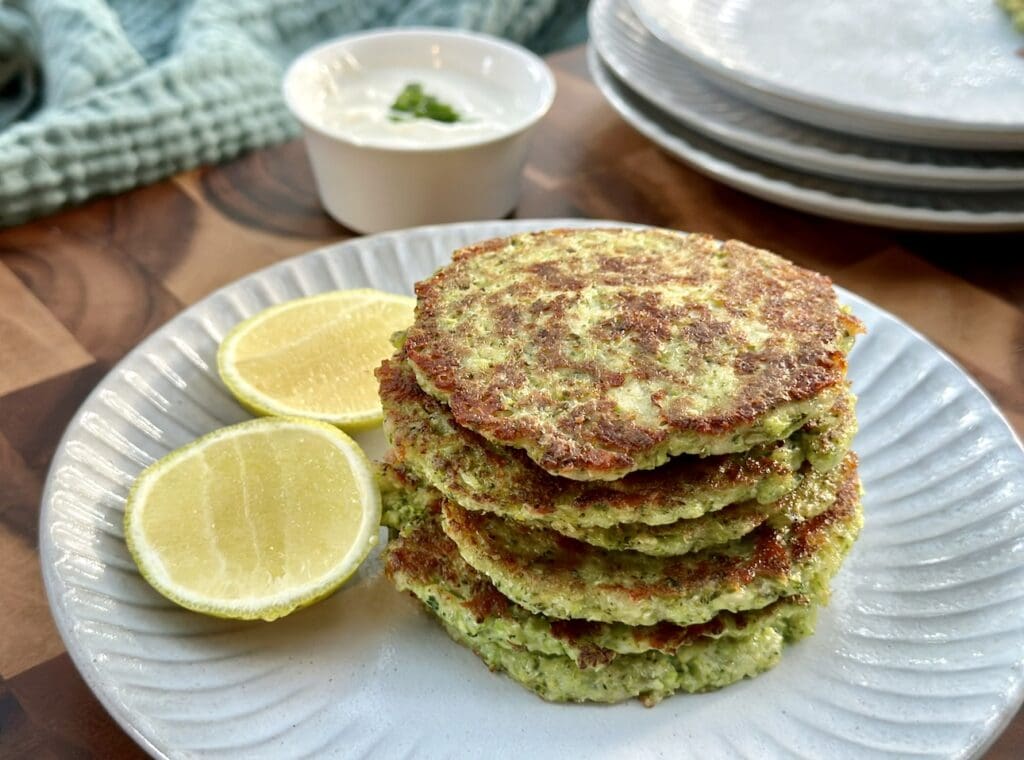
x=414 y=103
x=1016 y=10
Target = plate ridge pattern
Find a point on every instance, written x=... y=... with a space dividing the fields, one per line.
x=919 y=654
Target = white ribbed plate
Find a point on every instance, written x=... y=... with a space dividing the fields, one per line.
x=930 y=72
x=919 y=654
x=839 y=199
x=668 y=80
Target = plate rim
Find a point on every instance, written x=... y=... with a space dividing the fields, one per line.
x=52 y=582
x=794 y=155
x=780 y=191
x=830 y=112
x=130 y=721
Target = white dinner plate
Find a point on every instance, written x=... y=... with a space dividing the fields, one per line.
x=920 y=652
x=840 y=199
x=662 y=76
x=930 y=72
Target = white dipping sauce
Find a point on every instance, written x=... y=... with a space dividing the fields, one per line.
x=357 y=106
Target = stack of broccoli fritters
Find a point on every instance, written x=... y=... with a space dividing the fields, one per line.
x=620 y=459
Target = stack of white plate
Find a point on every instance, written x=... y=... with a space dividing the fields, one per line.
x=906 y=114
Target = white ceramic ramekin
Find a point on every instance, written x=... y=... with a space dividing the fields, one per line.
x=371 y=189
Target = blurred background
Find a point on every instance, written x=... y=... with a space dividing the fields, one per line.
x=98 y=96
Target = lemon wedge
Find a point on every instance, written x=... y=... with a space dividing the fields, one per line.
x=255 y=520
x=314 y=357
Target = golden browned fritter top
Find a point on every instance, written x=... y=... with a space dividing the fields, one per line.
x=601 y=352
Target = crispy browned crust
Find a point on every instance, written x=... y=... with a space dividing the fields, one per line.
x=537 y=553
x=426 y=555
x=514 y=482
x=519 y=401
x=662 y=637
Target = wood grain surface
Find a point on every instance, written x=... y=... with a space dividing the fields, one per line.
x=80 y=288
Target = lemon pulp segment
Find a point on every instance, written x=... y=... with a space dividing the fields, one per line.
x=315 y=357
x=257 y=518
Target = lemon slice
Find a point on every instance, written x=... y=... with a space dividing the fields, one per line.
x=314 y=357
x=255 y=520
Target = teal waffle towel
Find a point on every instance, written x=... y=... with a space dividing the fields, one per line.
x=98 y=96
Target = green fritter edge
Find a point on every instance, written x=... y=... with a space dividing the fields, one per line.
x=580 y=660
x=562 y=578
x=404 y=496
x=651 y=677
x=483 y=476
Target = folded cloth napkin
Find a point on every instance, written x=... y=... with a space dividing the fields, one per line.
x=98 y=96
